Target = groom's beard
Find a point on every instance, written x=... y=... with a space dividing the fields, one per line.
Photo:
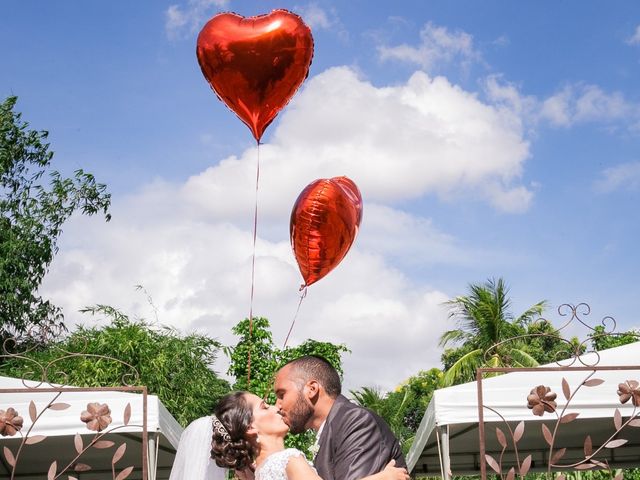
x=299 y=415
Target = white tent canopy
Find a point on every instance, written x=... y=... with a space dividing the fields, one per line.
x=447 y=441
x=61 y=426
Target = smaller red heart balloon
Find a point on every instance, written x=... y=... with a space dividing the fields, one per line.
x=256 y=64
x=324 y=223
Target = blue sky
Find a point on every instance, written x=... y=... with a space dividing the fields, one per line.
x=489 y=138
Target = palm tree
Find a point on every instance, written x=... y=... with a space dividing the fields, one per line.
x=484 y=321
x=371 y=398
x=392 y=407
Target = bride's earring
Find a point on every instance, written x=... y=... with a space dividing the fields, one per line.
x=257 y=439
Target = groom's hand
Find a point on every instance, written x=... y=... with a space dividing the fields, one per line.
x=391 y=472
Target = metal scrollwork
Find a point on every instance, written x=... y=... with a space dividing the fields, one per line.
x=560 y=406
x=96 y=424
x=42 y=372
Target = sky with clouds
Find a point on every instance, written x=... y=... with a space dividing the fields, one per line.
x=489 y=139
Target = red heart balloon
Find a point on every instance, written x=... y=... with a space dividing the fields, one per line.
x=324 y=223
x=255 y=65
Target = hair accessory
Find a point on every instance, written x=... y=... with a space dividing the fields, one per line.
x=219 y=428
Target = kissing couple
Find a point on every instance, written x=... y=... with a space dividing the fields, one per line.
x=247 y=435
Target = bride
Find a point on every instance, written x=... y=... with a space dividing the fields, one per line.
x=245 y=432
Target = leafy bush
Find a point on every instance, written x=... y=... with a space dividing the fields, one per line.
x=174 y=367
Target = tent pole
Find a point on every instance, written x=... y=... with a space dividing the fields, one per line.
x=443 y=451
x=152 y=456
x=439 y=451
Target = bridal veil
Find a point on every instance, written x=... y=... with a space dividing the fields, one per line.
x=193 y=459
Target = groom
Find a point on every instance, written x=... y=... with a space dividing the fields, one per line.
x=352 y=442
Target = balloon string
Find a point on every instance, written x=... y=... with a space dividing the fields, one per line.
x=253 y=269
x=295 y=317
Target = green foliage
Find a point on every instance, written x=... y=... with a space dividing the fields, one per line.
x=546 y=345
x=256 y=342
x=484 y=321
x=329 y=351
x=256 y=339
x=403 y=408
x=31 y=218
x=422 y=385
x=371 y=398
x=175 y=368
x=254 y=357
x=600 y=340
x=451 y=355
x=390 y=406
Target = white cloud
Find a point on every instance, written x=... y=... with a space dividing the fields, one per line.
x=572 y=105
x=438 y=46
x=198 y=274
x=176 y=19
x=594 y=104
x=408 y=239
x=623 y=176
x=426 y=136
x=514 y=200
x=556 y=109
x=501 y=41
x=190 y=243
x=316 y=17
x=507 y=96
x=635 y=38
x=180 y=21
x=586 y=103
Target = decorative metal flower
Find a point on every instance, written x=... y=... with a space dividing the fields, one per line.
x=629 y=390
x=542 y=399
x=10 y=422
x=97 y=416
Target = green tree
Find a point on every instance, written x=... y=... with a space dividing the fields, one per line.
x=256 y=343
x=404 y=407
x=375 y=400
x=32 y=213
x=390 y=406
x=422 y=385
x=174 y=367
x=484 y=321
x=600 y=340
x=254 y=359
x=544 y=343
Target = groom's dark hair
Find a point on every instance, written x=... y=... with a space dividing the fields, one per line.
x=314 y=367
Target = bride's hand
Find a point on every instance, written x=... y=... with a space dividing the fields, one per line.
x=391 y=472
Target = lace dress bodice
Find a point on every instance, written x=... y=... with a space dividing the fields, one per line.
x=275 y=466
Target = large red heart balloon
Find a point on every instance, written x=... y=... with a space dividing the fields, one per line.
x=324 y=223
x=256 y=64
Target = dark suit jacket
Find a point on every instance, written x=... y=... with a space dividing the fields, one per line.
x=355 y=442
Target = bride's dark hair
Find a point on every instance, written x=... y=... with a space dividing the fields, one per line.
x=236 y=416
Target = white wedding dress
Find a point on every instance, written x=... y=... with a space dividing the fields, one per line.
x=275 y=466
